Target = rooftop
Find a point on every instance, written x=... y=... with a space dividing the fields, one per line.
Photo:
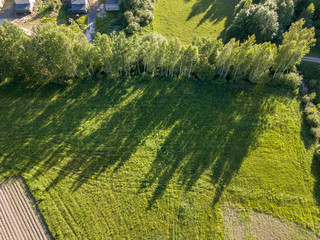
x=112 y=1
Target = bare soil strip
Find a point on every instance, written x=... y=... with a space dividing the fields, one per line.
x=254 y=225
x=19 y=217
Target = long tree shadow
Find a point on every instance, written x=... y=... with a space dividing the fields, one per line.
x=214 y=11
x=315 y=170
x=48 y=125
x=208 y=139
x=84 y=131
x=305 y=134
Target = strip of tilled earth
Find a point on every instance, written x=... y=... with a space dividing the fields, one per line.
x=19 y=218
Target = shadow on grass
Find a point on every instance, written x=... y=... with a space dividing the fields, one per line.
x=315 y=169
x=210 y=139
x=84 y=130
x=214 y=11
x=305 y=134
x=63 y=16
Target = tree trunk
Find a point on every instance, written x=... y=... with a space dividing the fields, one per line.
x=162 y=67
x=180 y=69
x=274 y=75
x=138 y=66
x=190 y=69
x=129 y=67
x=235 y=74
x=92 y=69
x=282 y=72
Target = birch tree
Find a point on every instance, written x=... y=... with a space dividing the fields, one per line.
x=104 y=53
x=264 y=55
x=296 y=44
x=226 y=57
x=13 y=55
x=243 y=56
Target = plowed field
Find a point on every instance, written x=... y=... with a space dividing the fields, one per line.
x=19 y=218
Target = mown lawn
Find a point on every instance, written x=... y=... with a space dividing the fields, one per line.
x=188 y=18
x=157 y=160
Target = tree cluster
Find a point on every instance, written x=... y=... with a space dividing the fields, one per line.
x=137 y=13
x=310 y=11
x=269 y=19
x=266 y=19
x=58 y=54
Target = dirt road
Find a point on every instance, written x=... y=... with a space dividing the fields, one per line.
x=311 y=59
x=91 y=21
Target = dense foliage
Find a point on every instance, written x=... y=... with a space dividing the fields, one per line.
x=137 y=13
x=310 y=11
x=57 y=54
x=269 y=19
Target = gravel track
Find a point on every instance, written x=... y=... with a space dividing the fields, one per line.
x=311 y=59
x=19 y=218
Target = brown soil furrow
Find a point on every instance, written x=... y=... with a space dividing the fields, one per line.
x=15 y=211
x=19 y=217
x=36 y=217
x=9 y=218
x=28 y=212
x=3 y=228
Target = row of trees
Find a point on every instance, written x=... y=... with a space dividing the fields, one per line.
x=58 y=54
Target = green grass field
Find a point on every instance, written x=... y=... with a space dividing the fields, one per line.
x=188 y=18
x=158 y=160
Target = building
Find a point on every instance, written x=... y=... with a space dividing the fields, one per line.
x=79 y=6
x=24 y=6
x=112 y=5
x=1 y=4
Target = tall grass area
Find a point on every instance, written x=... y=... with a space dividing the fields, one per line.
x=188 y=18
x=158 y=159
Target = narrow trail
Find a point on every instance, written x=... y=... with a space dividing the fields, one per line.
x=311 y=59
x=91 y=21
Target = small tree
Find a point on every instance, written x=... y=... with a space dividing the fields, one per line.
x=295 y=45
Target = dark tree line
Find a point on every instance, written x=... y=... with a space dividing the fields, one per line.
x=58 y=54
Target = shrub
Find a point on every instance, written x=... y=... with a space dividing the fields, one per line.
x=206 y=72
x=317 y=153
x=133 y=27
x=315 y=132
x=312 y=83
x=291 y=80
x=145 y=77
x=308 y=98
x=313 y=120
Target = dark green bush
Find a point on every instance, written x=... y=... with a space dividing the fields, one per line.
x=317 y=153
x=313 y=120
x=291 y=80
x=315 y=132
x=312 y=83
x=206 y=72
